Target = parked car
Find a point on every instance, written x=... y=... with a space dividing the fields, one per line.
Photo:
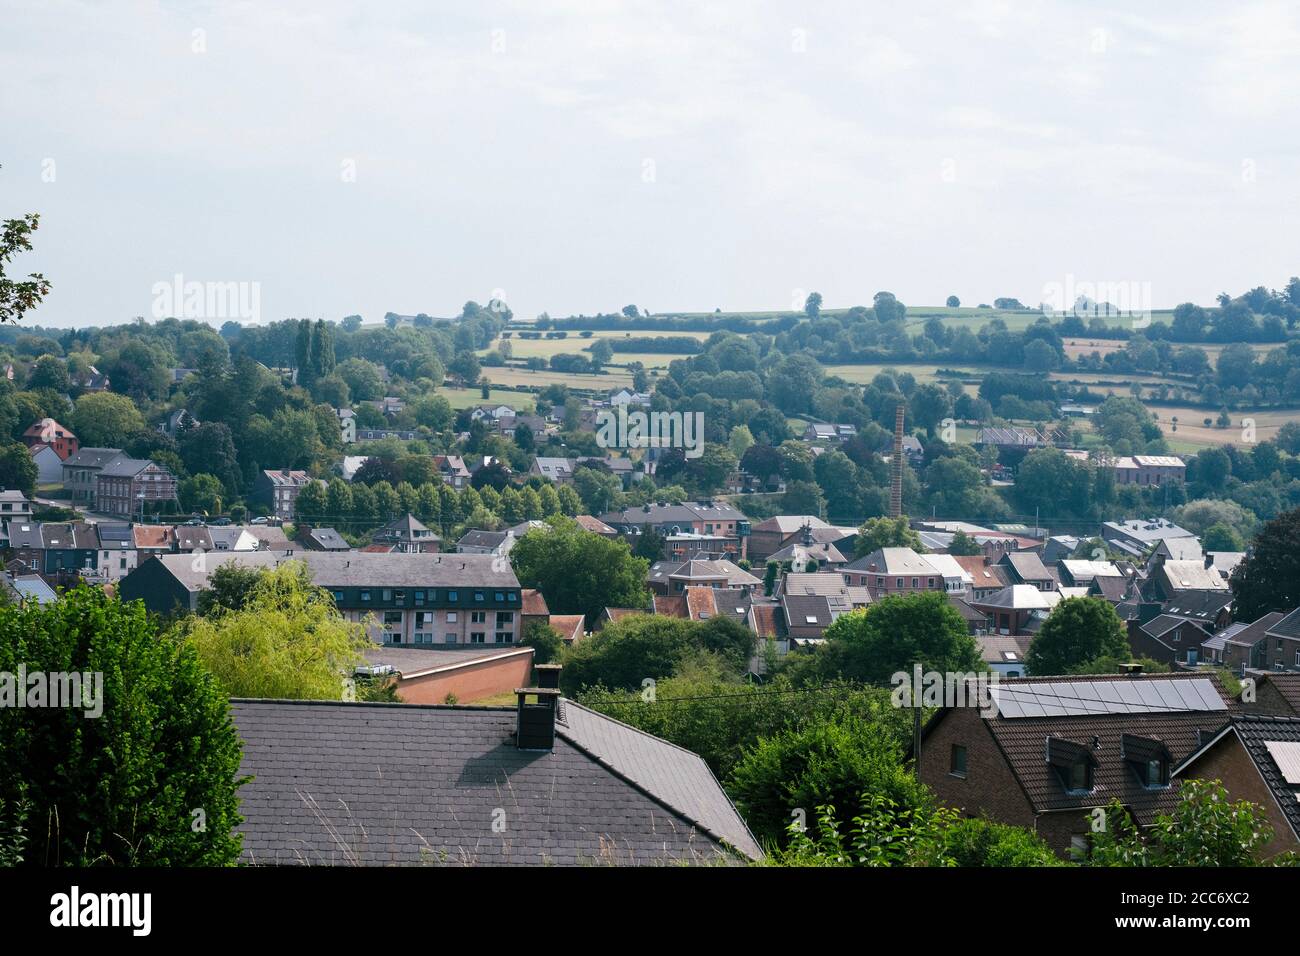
x=260 y=520
x=220 y=522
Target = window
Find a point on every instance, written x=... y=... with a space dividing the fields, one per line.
x=449 y=638
x=499 y=597
x=365 y=596
x=451 y=596
x=392 y=618
x=504 y=637
x=451 y=617
x=338 y=597
x=1078 y=776
x=478 y=617
x=399 y=596
x=387 y=595
x=957 y=761
x=899 y=584
x=419 y=597
x=1156 y=773
x=916 y=582
x=505 y=618
x=478 y=595
x=478 y=637
x=512 y=597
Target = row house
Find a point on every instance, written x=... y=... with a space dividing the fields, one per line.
x=81 y=473
x=1149 y=470
x=61 y=552
x=700 y=517
x=420 y=600
x=134 y=486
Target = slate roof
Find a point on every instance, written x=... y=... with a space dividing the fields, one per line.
x=481 y=539
x=1191 y=576
x=1109 y=587
x=892 y=561
x=1002 y=648
x=1161 y=625
x=1289 y=626
x=193 y=538
x=1198 y=605
x=383 y=784
x=91 y=457
x=1026 y=566
x=65 y=536
x=594 y=525
x=788 y=524
x=327 y=539
x=124 y=467
x=1248 y=635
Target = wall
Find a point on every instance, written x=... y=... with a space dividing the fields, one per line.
x=469 y=682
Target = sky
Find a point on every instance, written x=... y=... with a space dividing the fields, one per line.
x=574 y=157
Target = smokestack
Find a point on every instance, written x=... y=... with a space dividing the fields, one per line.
x=896 y=466
x=535 y=717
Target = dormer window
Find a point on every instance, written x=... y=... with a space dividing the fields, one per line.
x=1074 y=764
x=1149 y=759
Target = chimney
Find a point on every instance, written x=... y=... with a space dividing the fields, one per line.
x=547 y=676
x=535 y=721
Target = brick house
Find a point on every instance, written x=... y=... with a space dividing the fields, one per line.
x=49 y=432
x=133 y=486
x=1282 y=644
x=888 y=571
x=1018 y=766
x=279 y=488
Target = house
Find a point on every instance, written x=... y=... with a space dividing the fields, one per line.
x=49 y=432
x=81 y=473
x=621 y=468
x=625 y=396
x=458 y=675
x=485 y=542
x=558 y=470
x=887 y=571
x=322 y=539
x=117 y=553
x=1168 y=639
x=49 y=466
x=810 y=603
x=1047 y=752
x=347 y=425
x=452 y=470
x=672 y=577
x=1282 y=646
x=568 y=626
x=1011 y=610
x=407 y=535
x=1171 y=579
x=1011 y=437
x=349 y=465
x=1224 y=562
x=509 y=424
x=985 y=578
x=27 y=588
x=820 y=431
x=1026 y=567
x=151 y=540
x=1147 y=470
x=1256 y=758
x=279 y=487
x=1138 y=536
x=192 y=539
x=92 y=380
x=133 y=486
x=1004 y=653
x=1275 y=692
x=388 y=405
x=177 y=422
x=1078 y=573
x=1212 y=609
x=799 y=555
x=1242 y=646
x=490 y=415
x=233 y=538
x=545 y=782
x=71 y=551
x=700 y=517
x=419 y=599
x=1176 y=549
x=25 y=546
x=595 y=526
x=772 y=534
x=14 y=506
x=379 y=434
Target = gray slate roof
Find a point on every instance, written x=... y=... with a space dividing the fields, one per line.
x=383 y=784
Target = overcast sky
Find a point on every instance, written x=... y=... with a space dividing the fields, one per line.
x=409 y=156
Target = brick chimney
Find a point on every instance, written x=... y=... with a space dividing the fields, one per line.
x=547 y=676
x=535 y=717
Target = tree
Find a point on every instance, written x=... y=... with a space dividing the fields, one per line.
x=963 y=544
x=649 y=544
x=1220 y=537
x=621 y=655
x=229 y=587
x=892 y=635
x=1202 y=830
x=812 y=306
x=105 y=420
x=17 y=469
x=288 y=641
x=1268 y=579
x=1078 y=631
x=121 y=788
x=953 y=302
x=19 y=298
x=209 y=448
x=546 y=642
x=803 y=498
x=835 y=762
x=201 y=494
x=50 y=372
x=579 y=572
x=886 y=533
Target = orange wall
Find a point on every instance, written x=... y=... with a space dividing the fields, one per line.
x=469 y=682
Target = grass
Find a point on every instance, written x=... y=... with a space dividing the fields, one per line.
x=465 y=397
x=513 y=375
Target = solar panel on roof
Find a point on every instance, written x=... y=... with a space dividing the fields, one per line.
x=1080 y=698
x=1286 y=755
